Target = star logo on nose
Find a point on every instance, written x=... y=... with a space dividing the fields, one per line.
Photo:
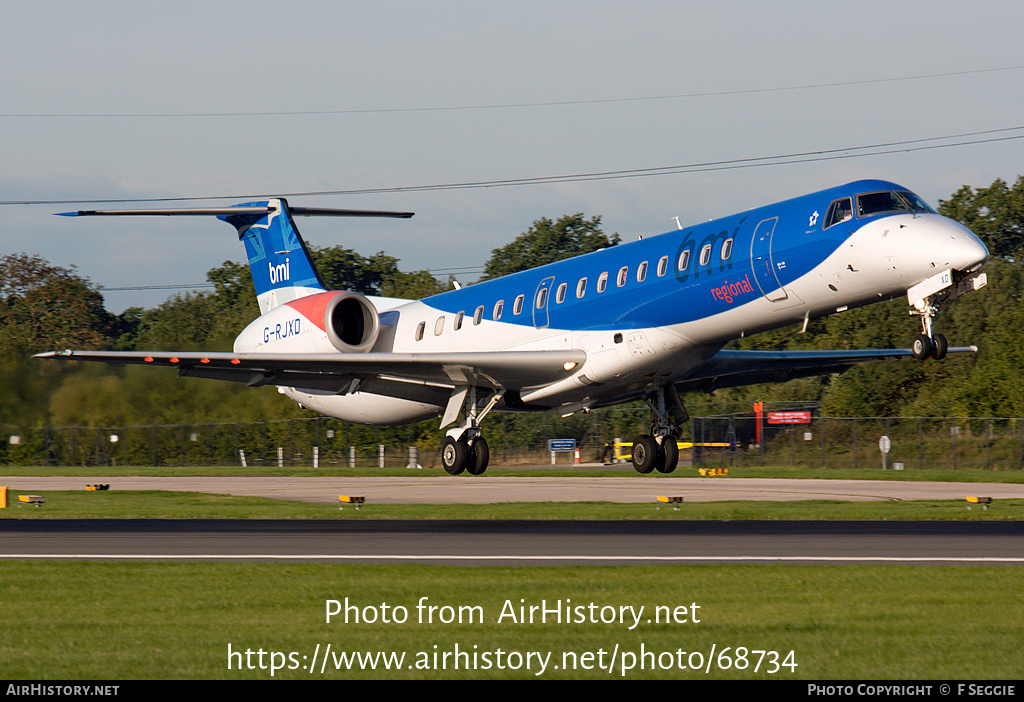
x=814 y=219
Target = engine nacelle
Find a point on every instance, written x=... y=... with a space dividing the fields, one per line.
x=351 y=322
x=321 y=323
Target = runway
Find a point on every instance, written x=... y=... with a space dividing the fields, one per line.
x=443 y=489
x=520 y=542
x=515 y=542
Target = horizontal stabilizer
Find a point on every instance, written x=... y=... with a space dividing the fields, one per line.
x=281 y=265
x=236 y=211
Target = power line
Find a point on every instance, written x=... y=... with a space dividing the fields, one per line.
x=879 y=149
x=498 y=106
x=461 y=270
x=176 y=286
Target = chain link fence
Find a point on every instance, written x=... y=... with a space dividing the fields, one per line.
x=792 y=435
x=945 y=443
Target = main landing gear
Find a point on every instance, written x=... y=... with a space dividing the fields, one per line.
x=465 y=449
x=659 y=450
x=463 y=454
x=927 y=344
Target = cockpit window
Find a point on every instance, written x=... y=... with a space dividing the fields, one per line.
x=890 y=201
x=839 y=211
x=916 y=203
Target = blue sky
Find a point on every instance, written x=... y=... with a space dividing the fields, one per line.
x=384 y=77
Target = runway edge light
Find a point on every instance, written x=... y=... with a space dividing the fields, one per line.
x=983 y=501
x=674 y=500
x=351 y=499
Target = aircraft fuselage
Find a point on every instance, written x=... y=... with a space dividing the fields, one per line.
x=648 y=312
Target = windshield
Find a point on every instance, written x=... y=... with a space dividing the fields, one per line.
x=890 y=201
x=916 y=203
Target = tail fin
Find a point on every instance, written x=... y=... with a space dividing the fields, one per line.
x=281 y=267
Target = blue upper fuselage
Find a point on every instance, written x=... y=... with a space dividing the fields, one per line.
x=686 y=274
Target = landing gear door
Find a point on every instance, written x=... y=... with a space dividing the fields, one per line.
x=761 y=260
x=540 y=303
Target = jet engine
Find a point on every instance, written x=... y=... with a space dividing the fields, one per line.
x=351 y=322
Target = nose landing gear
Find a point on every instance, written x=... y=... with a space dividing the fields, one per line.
x=935 y=347
x=927 y=344
x=924 y=299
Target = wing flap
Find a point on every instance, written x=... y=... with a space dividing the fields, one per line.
x=733 y=368
x=332 y=372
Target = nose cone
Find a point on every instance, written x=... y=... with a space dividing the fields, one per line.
x=966 y=252
x=937 y=243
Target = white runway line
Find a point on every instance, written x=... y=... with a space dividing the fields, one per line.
x=430 y=557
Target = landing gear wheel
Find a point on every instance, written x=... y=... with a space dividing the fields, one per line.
x=645 y=453
x=454 y=456
x=670 y=455
x=922 y=347
x=479 y=457
x=939 y=347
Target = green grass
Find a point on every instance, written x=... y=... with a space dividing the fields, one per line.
x=88 y=620
x=176 y=620
x=111 y=504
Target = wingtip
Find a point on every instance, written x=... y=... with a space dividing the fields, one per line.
x=53 y=354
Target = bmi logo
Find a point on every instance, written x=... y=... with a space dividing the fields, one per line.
x=279 y=273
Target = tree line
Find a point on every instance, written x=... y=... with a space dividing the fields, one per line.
x=45 y=307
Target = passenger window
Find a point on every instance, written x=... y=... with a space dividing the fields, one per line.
x=581 y=288
x=518 y=306
x=458 y=320
x=478 y=315
x=641 y=272
x=705 y=255
x=663 y=266
x=420 y=328
x=560 y=295
x=498 y=306
x=542 y=298
x=439 y=326
x=623 y=274
x=684 y=260
x=602 y=282
x=839 y=211
x=727 y=249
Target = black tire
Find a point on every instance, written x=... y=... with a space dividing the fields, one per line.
x=670 y=451
x=645 y=453
x=479 y=458
x=922 y=347
x=454 y=455
x=939 y=347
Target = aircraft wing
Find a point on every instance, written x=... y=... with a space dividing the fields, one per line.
x=731 y=368
x=338 y=372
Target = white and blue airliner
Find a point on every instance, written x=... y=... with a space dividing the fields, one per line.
x=641 y=320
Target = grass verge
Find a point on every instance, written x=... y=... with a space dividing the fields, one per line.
x=132 y=621
x=114 y=504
